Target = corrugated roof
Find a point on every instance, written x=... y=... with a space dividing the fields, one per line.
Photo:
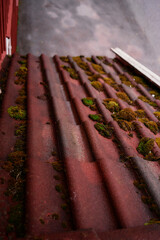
x=79 y=150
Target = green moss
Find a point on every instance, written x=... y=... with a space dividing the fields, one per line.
x=17 y=113
x=152 y=126
x=124 y=97
x=145 y=99
x=55 y=216
x=104 y=130
x=64 y=206
x=158 y=142
x=22 y=62
x=157 y=114
x=125 y=114
x=21 y=100
x=96 y=117
x=100 y=57
x=89 y=59
x=125 y=125
x=88 y=101
x=64 y=59
x=111 y=82
x=15 y=220
x=71 y=71
x=97 y=85
x=140 y=80
x=20 y=130
x=21 y=73
x=152 y=221
x=94 y=77
x=145 y=146
x=58 y=166
x=98 y=68
x=140 y=113
x=81 y=63
x=125 y=81
x=22 y=91
x=88 y=73
x=111 y=104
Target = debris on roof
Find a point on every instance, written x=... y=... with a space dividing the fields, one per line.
x=79 y=150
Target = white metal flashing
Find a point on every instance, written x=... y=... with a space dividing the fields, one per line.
x=138 y=66
x=8 y=46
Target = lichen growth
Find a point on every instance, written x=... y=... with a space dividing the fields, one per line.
x=145 y=146
x=97 y=85
x=64 y=59
x=124 y=97
x=111 y=104
x=94 y=77
x=140 y=113
x=125 y=114
x=104 y=130
x=71 y=71
x=98 y=68
x=125 y=81
x=157 y=114
x=96 y=117
x=17 y=113
x=145 y=99
x=111 y=82
x=89 y=102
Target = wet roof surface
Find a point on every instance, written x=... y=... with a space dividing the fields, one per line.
x=79 y=150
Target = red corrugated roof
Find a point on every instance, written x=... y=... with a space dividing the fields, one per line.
x=61 y=176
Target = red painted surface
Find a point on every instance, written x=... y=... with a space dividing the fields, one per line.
x=8 y=25
x=102 y=201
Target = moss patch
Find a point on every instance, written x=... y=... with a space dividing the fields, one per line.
x=21 y=100
x=94 y=77
x=71 y=71
x=96 y=117
x=89 y=59
x=100 y=57
x=157 y=115
x=104 y=130
x=125 y=114
x=81 y=63
x=125 y=125
x=97 y=85
x=98 y=68
x=158 y=142
x=17 y=113
x=152 y=126
x=140 y=113
x=124 y=97
x=145 y=99
x=89 y=102
x=64 y=59
x=145 y=146
x=111 y=104
x=140 y=80
x=125 y=81
x=111 y=82
x=155 y=94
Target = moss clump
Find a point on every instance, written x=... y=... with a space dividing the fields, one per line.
x=64 y=59
x=104 y=130
x=20 y=130
x=89 y=59
x=15 y=221
x=22 y=62
x=58 y=166
x=94 y=77
x=125 y=81
x=97 y=85
x=22 y=91
x=152 y=126
x=145 y=99
x=124 y=97
x=111 y=104
x=125 y=125
x=155 y=94
x=140 y=113
x=98 y=68
x=17 y=113
x=89 y=102
x=96 y=117
x=145 y=146
x=20 y=81
x=81 y=63
x=21 y=100
x=71 y=71
x=139 y=184
x=111 y=82
x=140 y=80
x=157 y=114
x=100 y=57
x=19 y=145
x=125 y=114
x=158 y=142
x=21 y=73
